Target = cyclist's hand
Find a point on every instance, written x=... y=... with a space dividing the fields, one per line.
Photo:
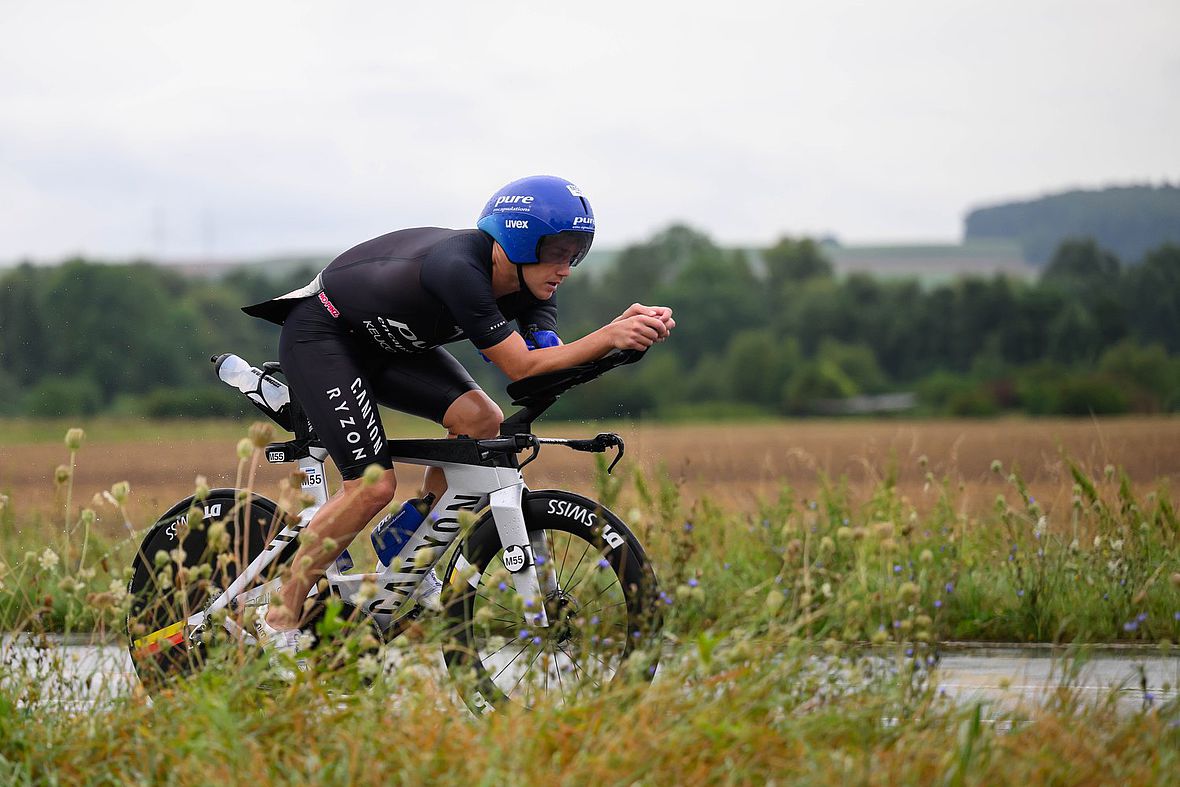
x=637 y=332
x=662 y=313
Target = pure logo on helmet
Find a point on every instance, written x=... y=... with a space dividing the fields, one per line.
x=516 y=224
x=583 y=220
x=519 y=199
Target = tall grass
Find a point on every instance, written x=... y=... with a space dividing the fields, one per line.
x=800 y=647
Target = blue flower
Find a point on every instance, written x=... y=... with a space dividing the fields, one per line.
x=603 y=563
x=1020 y=592
x=503 y=586
x=523 y=634
x=688 y=527
x=1131 y=626
x=1142 y=617
x=950 y=587
x=938 y=603
x=896 y=569
x=692 y=583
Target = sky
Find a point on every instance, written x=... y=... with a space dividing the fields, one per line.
x=229 y=130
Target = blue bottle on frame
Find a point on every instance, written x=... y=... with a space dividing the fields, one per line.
x=392 y=532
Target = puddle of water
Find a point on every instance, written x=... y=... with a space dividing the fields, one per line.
x=71 y=673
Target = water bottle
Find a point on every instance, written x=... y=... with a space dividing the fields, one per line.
x=262 y=389
x=395 y=530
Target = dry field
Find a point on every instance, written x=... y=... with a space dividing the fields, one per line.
x=732 y=464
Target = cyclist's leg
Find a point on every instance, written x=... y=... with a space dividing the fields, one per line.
x=435 y=386
x=328 y=376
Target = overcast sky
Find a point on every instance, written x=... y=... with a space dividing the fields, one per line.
x=238 y=129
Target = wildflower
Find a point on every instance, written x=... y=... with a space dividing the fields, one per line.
x=1117 y=545
x=683 y=592
x=1041 y=527
x=1109 y=472
x=1020 y=593
x=923 y=460
x=367 y=665
x=908 y=592
x=774 y=601
x=201 y=487
x=950 y=587
x=1142 y=616
x=1097 y=541
x=120 y=491
x=997 y=466
x=87 y=516
x=62 y=474
x=883 y=530
x=245 y=448
x=880 y=637
x=74 y=438
x=1130 y=626
x=926 y=556
x=261 y=433
x=48 y=559
x=366 y=592
x=843 y=533
x=688 y=527
x=938 y=603
x=827 y=544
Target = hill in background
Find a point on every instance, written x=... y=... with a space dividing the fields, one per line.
x=1128 y=220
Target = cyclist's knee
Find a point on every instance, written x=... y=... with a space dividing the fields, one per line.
x=373 y=494
x=474 y=415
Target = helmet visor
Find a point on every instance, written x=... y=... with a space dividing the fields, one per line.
x=564 y=247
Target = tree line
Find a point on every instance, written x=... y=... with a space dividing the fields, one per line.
x=769 y=332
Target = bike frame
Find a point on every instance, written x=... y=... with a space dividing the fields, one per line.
x=470 y=488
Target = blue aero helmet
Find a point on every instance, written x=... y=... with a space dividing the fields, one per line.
x=541 y=218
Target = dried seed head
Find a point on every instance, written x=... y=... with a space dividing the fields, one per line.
x=908 y=592
x=74 y=438
x=245 y=448
x=373 y=474
x=120 y=491
x=774 y=601
x=61 y=475
x=200 y=487
x=261 y=433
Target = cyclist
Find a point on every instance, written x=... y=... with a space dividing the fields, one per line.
x=369 y=330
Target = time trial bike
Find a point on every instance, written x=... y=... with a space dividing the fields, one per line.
x=546 y=592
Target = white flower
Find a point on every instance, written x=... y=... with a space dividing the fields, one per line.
x=366 y=592
x=48 y=559
x=1117 y=545
x=306 y=641
x=367 y=665
x=1041 y=527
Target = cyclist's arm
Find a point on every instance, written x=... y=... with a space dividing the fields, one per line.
x=636 y=332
